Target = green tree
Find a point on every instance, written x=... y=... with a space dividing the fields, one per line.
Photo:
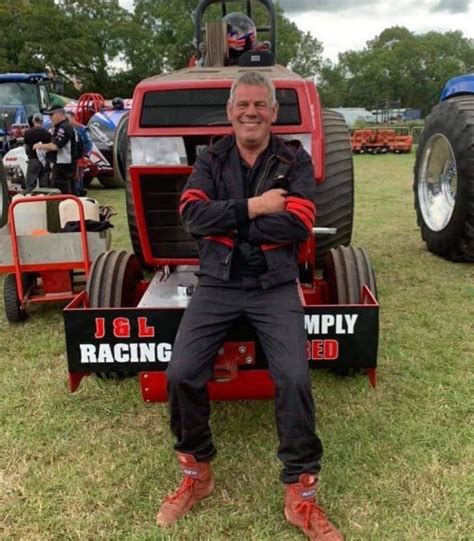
x=399 y=65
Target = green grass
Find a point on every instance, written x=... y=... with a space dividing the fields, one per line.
x=398 y=463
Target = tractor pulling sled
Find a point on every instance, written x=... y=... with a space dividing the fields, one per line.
x=123 y=324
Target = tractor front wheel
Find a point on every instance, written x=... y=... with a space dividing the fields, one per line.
x=347 y=269
x=444 y=180
x=113 y=283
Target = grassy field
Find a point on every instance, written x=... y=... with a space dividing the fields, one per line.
x=398 y=462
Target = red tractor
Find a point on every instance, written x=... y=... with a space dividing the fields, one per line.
x=124 y=324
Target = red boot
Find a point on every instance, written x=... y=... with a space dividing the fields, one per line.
x=198 y=483
x=302 y=511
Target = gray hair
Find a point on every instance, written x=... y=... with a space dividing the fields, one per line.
x=253 y=78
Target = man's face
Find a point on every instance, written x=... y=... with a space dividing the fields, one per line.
x=56 y=117
x=251 y=114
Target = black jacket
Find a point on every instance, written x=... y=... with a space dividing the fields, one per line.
x=214 y=210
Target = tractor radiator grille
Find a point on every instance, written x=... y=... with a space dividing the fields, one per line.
x=161 y=194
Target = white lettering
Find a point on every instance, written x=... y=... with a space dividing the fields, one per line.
x=134 y=353
x=311 y=324
x=163 y=352
x=126 y=353
x=87 y=353
x=351 y=320
x=105 y=354
x=327 y=320
x=147 y=353
x=121 y=353
x=319 y=324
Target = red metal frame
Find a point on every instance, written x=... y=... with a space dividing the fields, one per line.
x=55 y=268
x=87 y=106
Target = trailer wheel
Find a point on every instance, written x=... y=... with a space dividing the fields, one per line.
x=4 y=198
x=335 y=194
x=13 y=309
x=347 y=270
x=112 y=283
x=444 y=180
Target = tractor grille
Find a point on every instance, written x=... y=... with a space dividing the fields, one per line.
x=161 y=194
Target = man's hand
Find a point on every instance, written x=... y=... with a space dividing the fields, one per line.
x=267 y=203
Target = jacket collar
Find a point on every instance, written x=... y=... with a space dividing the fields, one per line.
x=284 y=150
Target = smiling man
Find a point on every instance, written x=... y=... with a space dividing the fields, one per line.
x=249 y=202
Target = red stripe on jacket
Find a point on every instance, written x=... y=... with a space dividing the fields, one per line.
x=192 y=195
x=221 y=239
x=303 y=209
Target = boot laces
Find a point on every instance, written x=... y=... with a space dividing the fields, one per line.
x=311 y=510
x=185 y=489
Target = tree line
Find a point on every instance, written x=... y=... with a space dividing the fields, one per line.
x=98 y=46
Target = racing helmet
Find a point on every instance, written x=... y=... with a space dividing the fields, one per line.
x=117 y=103
x=241 y=32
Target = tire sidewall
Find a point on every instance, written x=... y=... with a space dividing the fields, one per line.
x=443 y=121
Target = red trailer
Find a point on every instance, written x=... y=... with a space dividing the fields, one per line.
x=380 y=141
x=42 y=266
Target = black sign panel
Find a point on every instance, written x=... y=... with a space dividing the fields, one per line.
x=141 y=340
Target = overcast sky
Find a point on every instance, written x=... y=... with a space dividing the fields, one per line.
x=348 y=24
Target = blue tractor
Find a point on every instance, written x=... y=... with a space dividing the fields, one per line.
x=444 y=173
x=21 y=95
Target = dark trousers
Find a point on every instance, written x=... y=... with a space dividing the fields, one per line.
x=277 y=316
x=36 y=173
x=63 y=177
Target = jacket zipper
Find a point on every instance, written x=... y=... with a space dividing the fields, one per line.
x=264 y=174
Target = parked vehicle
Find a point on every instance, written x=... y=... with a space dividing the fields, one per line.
x=444 y=173
x=124 y=323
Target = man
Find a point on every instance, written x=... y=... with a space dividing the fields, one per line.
x=62 y=149
x=249 y=201
x=84 y=151
x=37 y=172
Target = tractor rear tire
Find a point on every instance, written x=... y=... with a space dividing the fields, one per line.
x=121 y=149
x=335 y=194
x=111 y=183
x=13 y=309
x=444 y=180
x=347 y=269
x=112 y=283
x=4 y=197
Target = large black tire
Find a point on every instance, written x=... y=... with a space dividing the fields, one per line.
x=112 y=283
x=111 y=183
x=13 y=309
x=335 y=194
x=444 y=180
x=4 y=198
x=121 y=148
x=346 y=270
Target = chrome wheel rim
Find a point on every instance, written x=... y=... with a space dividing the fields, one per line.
x=437 y=182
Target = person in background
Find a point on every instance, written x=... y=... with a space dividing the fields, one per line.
x=62 y=149
x=38 y=171
x=85 y=149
